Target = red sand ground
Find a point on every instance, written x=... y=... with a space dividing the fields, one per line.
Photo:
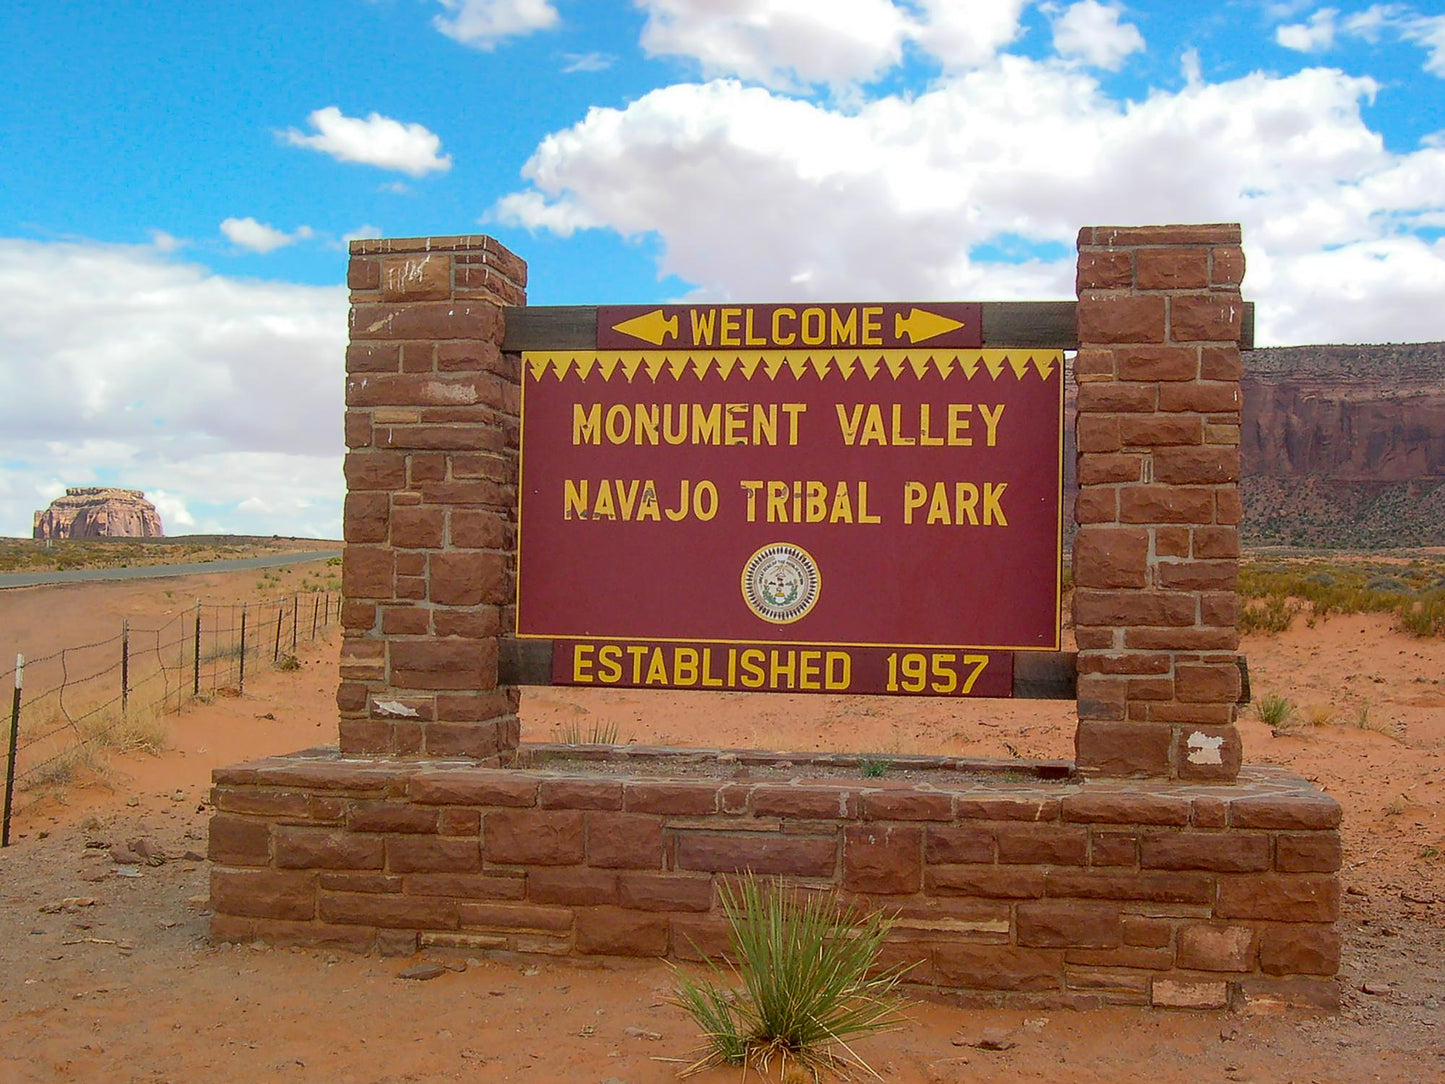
x=127 y=987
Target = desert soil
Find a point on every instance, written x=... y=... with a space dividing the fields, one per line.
x=106 y=972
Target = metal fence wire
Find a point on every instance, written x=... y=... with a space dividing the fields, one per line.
x=71 y=707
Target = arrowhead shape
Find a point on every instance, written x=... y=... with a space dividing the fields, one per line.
x=920 y=325
x=651 y=327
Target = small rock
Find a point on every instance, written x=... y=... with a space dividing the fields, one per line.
x=192 y=856
x=132 y=801
x=127 y=871
x=422 y=972
x=1376 y=989
x=642 y=1033
x=178 y=796
x=987 y=1039
x=1355 y=890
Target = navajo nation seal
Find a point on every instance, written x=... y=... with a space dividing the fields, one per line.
x=781 y=582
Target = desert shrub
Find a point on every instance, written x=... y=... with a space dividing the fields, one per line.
x=1274 y=710
x=873 y=767
x=288 y=662
x=810 y=983
x=1425 y=617
x=1274 y=614
x=141 y=730
x=1319 y=715
x=573 y=732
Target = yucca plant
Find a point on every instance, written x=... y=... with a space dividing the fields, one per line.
x=809 y=983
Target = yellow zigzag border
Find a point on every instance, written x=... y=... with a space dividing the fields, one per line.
x=655 y=364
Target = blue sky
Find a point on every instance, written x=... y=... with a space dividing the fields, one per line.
x=179 y=180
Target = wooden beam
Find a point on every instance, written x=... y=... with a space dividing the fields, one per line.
x=1043 y=324
x=1038 y=675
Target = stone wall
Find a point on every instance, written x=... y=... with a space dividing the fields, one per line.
x=432 y=409
x=1057 y=893
x=1156 y=556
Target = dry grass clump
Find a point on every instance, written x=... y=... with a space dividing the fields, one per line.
x=573 y=732
x=1276 y=711
x=810 y=983
x=1275 y=592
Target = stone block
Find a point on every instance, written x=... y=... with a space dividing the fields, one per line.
x=553 y=838
x=883 y=860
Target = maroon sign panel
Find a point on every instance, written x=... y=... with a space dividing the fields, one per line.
x=834 y=497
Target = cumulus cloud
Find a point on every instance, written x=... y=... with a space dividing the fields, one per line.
x=962 y=34
x=158 y=375
x=779 y=43
x=1092 y=33
x=257 y=236
x=374 y=141
x=483 y=23
x=587 y=62
x=756 y=194
x=1314 y=36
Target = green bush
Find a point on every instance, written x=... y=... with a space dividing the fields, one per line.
x=1275 y=710
x=810 y=983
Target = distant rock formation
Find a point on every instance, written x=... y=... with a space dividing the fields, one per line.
x=1342 y=446
x=99 y=512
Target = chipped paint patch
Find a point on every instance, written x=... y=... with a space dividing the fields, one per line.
x=1205 y=748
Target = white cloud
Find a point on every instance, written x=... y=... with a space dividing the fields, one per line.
x=365 y=230
x=483 y=23
x=161 y=376
x=1314 y=36
x=374 y=141
x=901 y=197
x=164 y=242
x=1430 y=33
x=964 y=34
x=1091 y=32
x=172 y=510
x=780 y=43
x=587 y=62
x=258 y=236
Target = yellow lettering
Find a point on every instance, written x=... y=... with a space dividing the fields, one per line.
x=736 y=424
x=703 y=322
x=782 y=664
x=752 y=676
x=925 y=438
x=863 y=516
x=814 y=326
x=843 y=331
x=873 y=432
x=780 y=337
x=898 y=438
x=810 y=670
x=729 y=335
x=777 y=502
x=656 y=668
x=604 y=508
x=794 y=411
x=707 y=423
x=838 y=671
x=609 y=664
x=915 y=494
x=704 y=501
x=992 y=493
x=684 y=663
x=587 y=424
x=751 y=487
x=619 y=424
x=965 y=502
x=816 y=508
x=680 y=512
x=848 y=421
x=574 y=499
x=958 y=425
x=765 y=423
x=582 y=663
x=748 y=337
x=842 y=511
x=938 y=505
x=991 y=421
x=872 y=325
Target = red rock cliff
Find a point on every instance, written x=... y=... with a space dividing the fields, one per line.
x=96 y=512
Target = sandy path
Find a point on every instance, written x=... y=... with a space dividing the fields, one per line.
x=128 y=988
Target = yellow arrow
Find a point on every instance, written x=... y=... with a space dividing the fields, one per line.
x=920 y=325
x=651 y=327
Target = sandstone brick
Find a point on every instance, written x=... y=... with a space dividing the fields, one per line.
x=322 y=848
x=1269 y=992
x=432 y=854
x=1307 y=852
x=263 y=893
x=1113 y=848
x=1288 y=811
x=804 y=803
x=1226 y=852
x=1209 y=947
x=353 y=881
x=466 y=579
x=1101 y=697
x=1120 y=748
x=1161 y=431
x=374 y=470
x=1181 y=639
x=405 y=621
x=574 y=886
x=366 y=516
x=1206 y=752
x=1109 y=398
x=366 y=572
x=516 y=916
x=389 y=912
x=1220 y=363
x=1067 y=924
x=1100 y=469
x=1165 y=504
x=478 y=740
x=1093 y=363
x=1096 y=433
x=905 y=805
x=1205 y=465
x=458 y=822
x=365 y=736
x=467 y=886
x=1299 y=949
x=553 y=838
x=478 y=530
x=1096 y=504
x=1199 y=683
x=373 y=357
x=1021 y=807
x=1157 y=363
x=664 y=892
x=416 y=277
x=1173 y=268
x=472 y=623
x=1104 y=269
x=985 y=882
x=1282 y=897
x=1188 y=994
x=1228 y=508
x=998 y=967
x=1134 y=958
x=417 y=528
x=1147 y=932
x=959 y=844
x=1093 y=606
x=1205 y=317
x=490 y=706
x=1201 y=397
x=266 y=802
x=390 y=817
x=426 y=320
x=363 y=273
x=1046 y=844
x=1143 y=887
x=239 y=841
x=612 y=931
x=689 y=798
x=1124 y=662
x=1105 y=557
x=580 y=794
x=443 y=664
x=1123 y=807
x=883 y=860
x=761 y=852
x=1121 y=320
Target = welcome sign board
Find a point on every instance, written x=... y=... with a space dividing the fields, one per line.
x=830 y=498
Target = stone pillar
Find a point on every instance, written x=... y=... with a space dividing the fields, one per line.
x=1156 y=557
x=432 y=421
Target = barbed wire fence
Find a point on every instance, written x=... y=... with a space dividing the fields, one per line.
x=73 y=707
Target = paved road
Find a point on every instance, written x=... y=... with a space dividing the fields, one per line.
x=146 y=572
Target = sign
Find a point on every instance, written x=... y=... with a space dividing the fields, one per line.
x=731 y=508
